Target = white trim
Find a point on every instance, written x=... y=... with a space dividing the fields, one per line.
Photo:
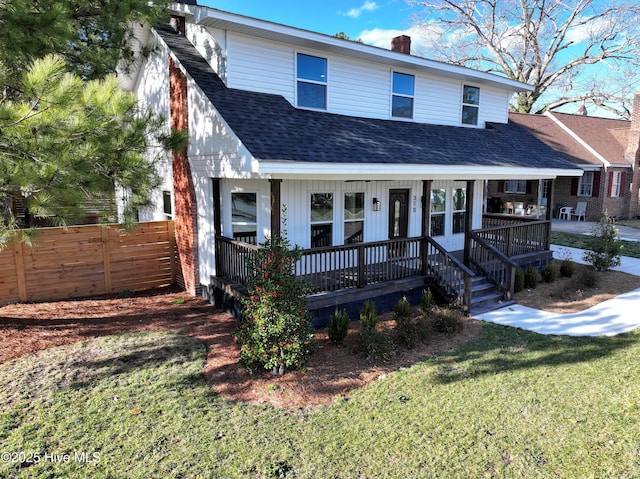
x=387 y=171
x=212 y=17
x=574 y=135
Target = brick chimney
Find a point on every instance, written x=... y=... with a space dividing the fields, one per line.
x=632 y=154
x=401 y=44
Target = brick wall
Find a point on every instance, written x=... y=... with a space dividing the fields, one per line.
x=185 y=214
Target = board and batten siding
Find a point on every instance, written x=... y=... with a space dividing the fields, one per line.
x=354 y=87
x=296 y=197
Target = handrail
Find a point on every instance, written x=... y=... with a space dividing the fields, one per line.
x=453 y=276
x=495 y=265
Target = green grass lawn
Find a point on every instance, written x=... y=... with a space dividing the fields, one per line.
x=510 y=404
x=629 y=248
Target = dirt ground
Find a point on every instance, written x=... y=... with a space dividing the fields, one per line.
x=331 y=373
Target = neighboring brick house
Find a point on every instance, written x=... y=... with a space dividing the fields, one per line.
x=379 y=156
x=605 y=149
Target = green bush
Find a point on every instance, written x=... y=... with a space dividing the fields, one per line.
x=406 y=333
x=549 y=273
x=424 y=329
x=531 y=277
x=606 y=247
x=338 y=326
x=567 y=266
x=368 y=316
x=519 y=282
x=276 y=331
x=373 y=345
x=447 y=321
x=427 y=301
x=589 y=278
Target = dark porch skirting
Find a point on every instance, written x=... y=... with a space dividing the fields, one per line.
x=225 y=296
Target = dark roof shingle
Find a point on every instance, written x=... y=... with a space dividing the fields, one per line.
x=272 y=129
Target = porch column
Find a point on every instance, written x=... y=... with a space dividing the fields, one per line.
x=468 y=220
x=551 y=200
x=276 y=206
x=217 y=220
x=424 y=229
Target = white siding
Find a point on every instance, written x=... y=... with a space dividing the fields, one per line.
x=211 y=43
x=258 y=65
x=354 y=87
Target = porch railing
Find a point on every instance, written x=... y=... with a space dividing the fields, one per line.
x=492 y=263
x=452 y=276
x=357 y=265
x=517 y=237
x=231 y=259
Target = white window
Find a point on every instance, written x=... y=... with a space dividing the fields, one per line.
x=585 y=184
x=459 y=209
x=438 y=210
x=167 y=205
x=312 y=81
x=470 y=104
x=353 y=218
x=244 y=217
x=402 y=97
x=515 y=186
x=616 y=183
x=321 y=219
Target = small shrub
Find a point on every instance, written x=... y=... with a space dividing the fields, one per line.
x=427 y=301
x=276 y=331
x=531 y=277
x=373 y=345
x=589 y=278
x=338 y=326
x=606 y=247
x=424 y=329
x=405 y=330
x=402 y=309
x=519 y=281
x=368 y=316
x=567 y=266
x=549 y=273
x=447 y=321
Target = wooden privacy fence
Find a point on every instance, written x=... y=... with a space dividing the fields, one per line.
x=88 y=260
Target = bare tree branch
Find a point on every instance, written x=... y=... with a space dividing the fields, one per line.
x=549 y=44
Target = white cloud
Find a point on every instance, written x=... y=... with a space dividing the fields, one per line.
x=379 y=37
x=367 y=6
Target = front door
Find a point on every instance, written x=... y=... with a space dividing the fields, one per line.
x=398 y=216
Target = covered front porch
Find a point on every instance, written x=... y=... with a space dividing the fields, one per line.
x=475 y=278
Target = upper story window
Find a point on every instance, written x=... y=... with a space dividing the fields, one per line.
x=402 y=98
x=312 y=81
x=244 y=217
x=585 y=185
x=470 y=105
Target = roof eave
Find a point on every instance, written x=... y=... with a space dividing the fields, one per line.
x=214 y=18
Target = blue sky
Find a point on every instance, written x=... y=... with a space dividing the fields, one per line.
x=375 y=22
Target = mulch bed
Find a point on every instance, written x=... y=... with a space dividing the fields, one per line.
x=332 y=371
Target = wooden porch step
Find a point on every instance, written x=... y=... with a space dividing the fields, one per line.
x=485 y=296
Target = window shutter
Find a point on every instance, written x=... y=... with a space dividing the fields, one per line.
x=610 y=183
x=574 y=186
x=501 y=186
x=595 y=190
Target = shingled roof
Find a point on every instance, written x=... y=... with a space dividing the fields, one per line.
x=272 y=129
x=607 y=136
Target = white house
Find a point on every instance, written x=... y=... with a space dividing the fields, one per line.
x=378 y=157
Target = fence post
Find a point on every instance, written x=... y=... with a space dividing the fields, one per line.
x=106 y=258
x=20 y=273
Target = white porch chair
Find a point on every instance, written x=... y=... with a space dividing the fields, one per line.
x=565 y=213
x=581 y=211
